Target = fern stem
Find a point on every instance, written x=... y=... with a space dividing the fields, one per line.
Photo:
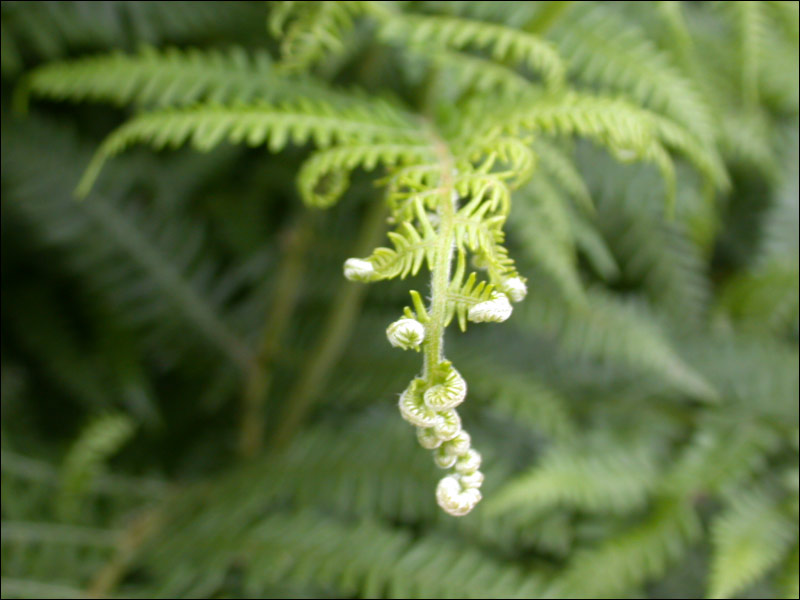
x=440 y=276
x=331 y=341
x=256 y=388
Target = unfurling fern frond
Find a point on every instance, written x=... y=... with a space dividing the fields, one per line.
x=453 y=159
x=313 y=178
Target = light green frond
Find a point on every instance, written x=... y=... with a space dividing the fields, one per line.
x=750 y=537
x=505 y=158
x=505 y=44
x=463 y=295
x=206 y=126
x=161 y=78
x=631 y=133
x=312 y=31
x=412 y=247
x=97 y=442
x=318 y=177
x=750 y=20
x=602 y=49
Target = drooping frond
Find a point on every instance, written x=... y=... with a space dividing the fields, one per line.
x=206 y=126
x=603 y=49
x=631 y=133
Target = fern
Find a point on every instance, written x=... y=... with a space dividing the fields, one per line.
x=617 y=182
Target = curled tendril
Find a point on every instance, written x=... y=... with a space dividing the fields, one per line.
x=515 y=288
x=406 y=333
x=497 y=309
x=356 y=269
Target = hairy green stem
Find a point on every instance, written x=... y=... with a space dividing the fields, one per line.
x=256 y=388
x=332 y=339
x=440 y=277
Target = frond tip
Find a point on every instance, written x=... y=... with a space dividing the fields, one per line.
x=406 y=334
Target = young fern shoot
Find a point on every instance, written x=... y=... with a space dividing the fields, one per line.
x=433 y=226
x=450 y=172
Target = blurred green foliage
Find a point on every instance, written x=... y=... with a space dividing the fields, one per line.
x=195 y=403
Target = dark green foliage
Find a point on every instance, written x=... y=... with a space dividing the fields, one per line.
x=195 y=403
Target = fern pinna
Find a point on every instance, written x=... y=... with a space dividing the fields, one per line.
x=450 y=170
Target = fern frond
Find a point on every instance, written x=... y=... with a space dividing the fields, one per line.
x=542 y=226
x=630 y=132
x=633 y=557
x=750 y=537
x=411 y=249
x=312 y=31
x=504 y=43
x=561 y=170
x=765 y=298
x=145 y=268
x=365 y=558
x=463 y=295
x=206 y=126
x=337 y=163
x=594 y=247
x=717 y=458
x=56 y=29
x=602 y=49
x=472 y=74
x=612 y=331
x=595 y=480
x=97 y=442
x=160 y=78
x=522 y=398
x=750 y=20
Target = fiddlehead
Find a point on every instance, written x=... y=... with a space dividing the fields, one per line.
x=432 y=227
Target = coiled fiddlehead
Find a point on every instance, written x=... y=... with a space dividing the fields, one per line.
x=432 y=226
